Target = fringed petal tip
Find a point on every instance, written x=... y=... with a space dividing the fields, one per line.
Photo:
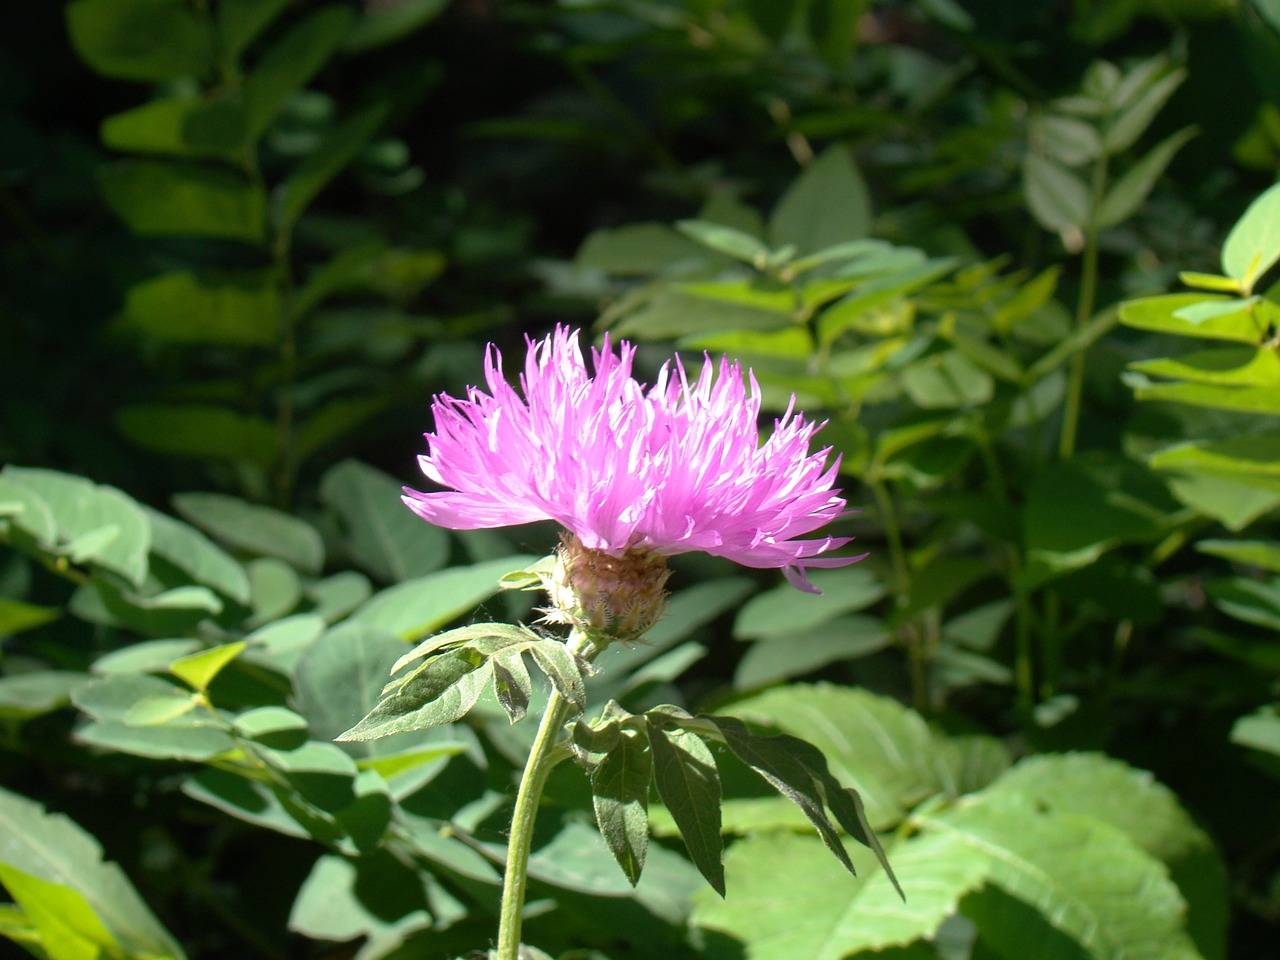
x=798 y=574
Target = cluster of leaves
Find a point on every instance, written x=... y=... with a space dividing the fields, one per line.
x=1070 y=504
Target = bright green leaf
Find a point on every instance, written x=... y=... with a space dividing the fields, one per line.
x=199 y=669
x=183 y=307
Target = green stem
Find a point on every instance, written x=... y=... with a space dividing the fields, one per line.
x=892 y=534
x=1084 y=310
x=542 y=759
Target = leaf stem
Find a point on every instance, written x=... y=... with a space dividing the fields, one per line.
x=1084 y=310
x=542 y=759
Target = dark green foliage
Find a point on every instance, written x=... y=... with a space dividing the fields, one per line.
x=1021 y=257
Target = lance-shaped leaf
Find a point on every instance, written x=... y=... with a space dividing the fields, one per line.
x=506 y=633
x=511 y=683
x=441 y=692
x=620 y=794
x=561 y=667
x=798 y=770
x=689 y=784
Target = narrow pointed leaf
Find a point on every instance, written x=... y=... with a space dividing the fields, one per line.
x=620 y=794
x=689 y=784
x=512 y=684
x=443 y=692
x=554 y=659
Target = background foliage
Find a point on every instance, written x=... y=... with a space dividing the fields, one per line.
x=1020 y=256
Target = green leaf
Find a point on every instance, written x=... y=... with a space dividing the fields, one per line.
x=1253 y=601
x=64 y=921
x=33 y=694
x=787 y=612
x=1212 y=282
x=241 y=309
x=1131 y=121
x=181 y=127
x=159 y=198
x=789 y=899
x=554 y=659
x=1263 y=400
x=620 y=785
x=684 y=771
x=148 y=656
x=833 y=25
x=1241 y=457
x=143 y=40
x=1252 y=553
x=121 y=536
x=158 y=711
x=55 y=850
x=798 y=771
x=290 y=63
x=201 y=431
x=727 y=240
x=1099 y=787
x=1227 y=366
x=274 y=727
x=197 y=556
x=1068 y=140
x=826 y=205
x=199 y=669
x=512 y=684
x=381 y=25
x=274 y=590
x=26 y=510
x=383 y=536
x=867 y=298
x=240 y=21
x=947 y=380
x=1166 y=315
x=329 y=158
x=442 y=691
x=485 y=638
x=255 y=529
x=16 y=616
x=778 y=656
x=1253 y=245
x=637 y=249
x=1079 y=876
x=1129 y=191
x=1260 y=730
x=1233 y=499
x=417 y=607
x=1058 y=198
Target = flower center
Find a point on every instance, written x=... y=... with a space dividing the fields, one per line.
x=612 y=598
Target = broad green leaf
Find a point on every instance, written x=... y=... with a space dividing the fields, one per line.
x=274 y=727
x=1259 y=730
x=1068 y=140
x=759 y=294
x=442 y=692
x=158 y=711
x=1253 y=245
x=184 y=307
x=53 y=849
x=1099 y=787
x=1075 y=512
x=170 y=612
x=1166 y=315
x=338 y=595
x=383 y=536
x=282 y=643
x=290 y=63
x=328 y=159
x=143 y=40
x=180 y=127
x=148 y=656
x=946 y=381
x=726 y=240
x=1129 y=191
x=867 y=298
x=1127 y=125
x=33 y=694
x=1247 y=599
x=826 y=205
x=201 y=431
x=788 y=899
x=1226 y=366
x=637 y=249
x=377 y=896
x=620 y=785
x=779 y=657
x=82 y=509
x=417 y=607
x=200 y=669
x=1263 y=400
x=787 y=612
x=16 y=616
x=1079 y=876
x=26 y=510
x=63 y=919
x=240 y=21
x=274 y=590
x=255 y=529
x=1058 y=198
x=1252 y=553
x=684 y=771
x=671 y=315
x=554 y=659
x=1233 y=499
x=381 y=25
x=833 y=25
x=158 y=198
x=195 y=555
x=1255 y=455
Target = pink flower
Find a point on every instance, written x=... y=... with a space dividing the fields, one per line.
x=674 y=468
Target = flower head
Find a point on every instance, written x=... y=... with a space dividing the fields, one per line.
x=672 y=468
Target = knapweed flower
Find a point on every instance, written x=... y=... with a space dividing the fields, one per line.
x=675 y=467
